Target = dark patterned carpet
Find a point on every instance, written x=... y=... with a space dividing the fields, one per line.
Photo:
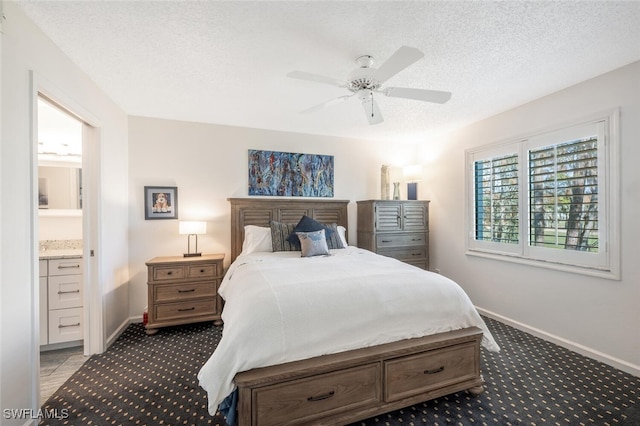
x=151 y=380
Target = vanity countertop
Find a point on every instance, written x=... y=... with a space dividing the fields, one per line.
x=70 y=253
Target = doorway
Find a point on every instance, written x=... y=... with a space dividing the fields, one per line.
x=76 y=225
x=60 y=191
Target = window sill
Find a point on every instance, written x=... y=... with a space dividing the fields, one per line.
x=599 y=273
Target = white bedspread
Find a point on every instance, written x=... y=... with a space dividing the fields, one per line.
x=281 y=307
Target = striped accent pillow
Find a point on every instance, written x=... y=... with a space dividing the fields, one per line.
x=279 y=234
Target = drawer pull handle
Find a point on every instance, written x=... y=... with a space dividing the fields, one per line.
x=70 y=325
x=416 y=254
x=202 y=271
x=69 y=291
x=186 y=309
x=170 y=273
x=187 y=291
x=321 y=397
x=386 y=241
x=68 y=266
x=435 y=370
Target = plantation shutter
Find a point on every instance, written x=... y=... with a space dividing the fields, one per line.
x=497 y=199
x=563 y=195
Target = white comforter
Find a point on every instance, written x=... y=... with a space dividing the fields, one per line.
x=281 y=307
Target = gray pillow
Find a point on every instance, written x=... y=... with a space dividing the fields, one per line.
x=279 y=234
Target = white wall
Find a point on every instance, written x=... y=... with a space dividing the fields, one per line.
x=25 y=48
x=59 y=227
x=208 y=163
x=595 y=316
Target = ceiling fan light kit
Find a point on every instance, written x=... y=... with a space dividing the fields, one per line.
x=366 y=80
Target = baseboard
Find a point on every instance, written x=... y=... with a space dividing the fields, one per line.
x=625 y=366
x=114 y=336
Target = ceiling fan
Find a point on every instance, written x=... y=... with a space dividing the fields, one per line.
x=364 y=82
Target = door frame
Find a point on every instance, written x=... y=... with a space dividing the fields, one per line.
x=93 y=312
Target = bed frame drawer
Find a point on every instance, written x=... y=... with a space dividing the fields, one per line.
x=421 y=373
x=305 y=400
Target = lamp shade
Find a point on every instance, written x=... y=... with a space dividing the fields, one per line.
x=192 y=227
x=412 y=173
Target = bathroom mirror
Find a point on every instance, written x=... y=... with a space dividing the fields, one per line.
x=59 y=188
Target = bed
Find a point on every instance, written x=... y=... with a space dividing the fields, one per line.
x=338 y=338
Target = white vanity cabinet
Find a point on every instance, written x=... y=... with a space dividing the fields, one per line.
x=64 y=301
x=44 y=310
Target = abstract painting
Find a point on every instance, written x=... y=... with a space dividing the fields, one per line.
x=290 y=174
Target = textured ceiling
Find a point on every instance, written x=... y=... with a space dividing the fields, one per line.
x=226 y=62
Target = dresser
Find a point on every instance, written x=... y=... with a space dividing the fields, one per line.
x=183 y=290
x=395 y=228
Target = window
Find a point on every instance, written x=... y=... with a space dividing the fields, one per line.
x=548 y=199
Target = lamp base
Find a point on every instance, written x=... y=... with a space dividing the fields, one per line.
x=412 y=191
x=192 y=254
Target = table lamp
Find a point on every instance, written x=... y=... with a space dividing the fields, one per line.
x=192 y=228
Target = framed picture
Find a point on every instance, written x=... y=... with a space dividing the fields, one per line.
x=290 y=174
x=160 y=202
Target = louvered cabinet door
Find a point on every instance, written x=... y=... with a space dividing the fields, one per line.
x=388 y=217
x=414 y=217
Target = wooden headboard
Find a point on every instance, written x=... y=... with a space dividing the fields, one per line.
x=261 y=211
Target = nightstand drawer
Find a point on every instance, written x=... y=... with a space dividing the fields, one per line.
x=166 y=273
x=301 y=401
x=423 y=372
x=401 y=240
x=189 y=309
x=177 y=292
x=202 y=271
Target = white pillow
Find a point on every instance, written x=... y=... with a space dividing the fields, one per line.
x=256 y=238
x=342 y=233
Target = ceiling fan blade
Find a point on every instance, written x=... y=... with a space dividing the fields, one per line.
x=418 y=94
x=403 y=57
x=372 y=111
x=326 y=104
x=307 y=76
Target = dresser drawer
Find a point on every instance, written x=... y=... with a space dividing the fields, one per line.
x=65 y=325
x=412 y=375
x=401 y=240
x=202 y=271
x=167 y=273
x=65 y=266
x=406 y=254
x=177 y=292
x=65 y=291
x=301 y=401
x=188 y=309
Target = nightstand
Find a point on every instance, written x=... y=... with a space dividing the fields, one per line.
x=183 y=290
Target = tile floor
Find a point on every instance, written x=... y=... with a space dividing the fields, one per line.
x=56 y=367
